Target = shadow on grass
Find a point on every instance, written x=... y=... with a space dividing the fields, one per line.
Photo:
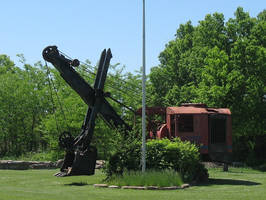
x=76 y=184
x=217 y=181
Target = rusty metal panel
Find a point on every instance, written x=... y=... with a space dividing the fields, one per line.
x=202 y=130
x=196 y=110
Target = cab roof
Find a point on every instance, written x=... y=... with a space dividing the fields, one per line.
x=197 y=110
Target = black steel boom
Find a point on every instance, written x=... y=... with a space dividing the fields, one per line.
x=85 y=91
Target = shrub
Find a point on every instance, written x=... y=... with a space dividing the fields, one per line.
x=261 y=167
x=161 y=154
x=250 y=149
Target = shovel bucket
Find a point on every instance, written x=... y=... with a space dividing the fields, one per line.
x=79 y=163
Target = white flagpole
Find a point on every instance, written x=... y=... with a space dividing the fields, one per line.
x=143 y=95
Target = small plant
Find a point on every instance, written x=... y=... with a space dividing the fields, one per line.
x=163 y=178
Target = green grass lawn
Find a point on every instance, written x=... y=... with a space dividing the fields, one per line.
x=238 y=184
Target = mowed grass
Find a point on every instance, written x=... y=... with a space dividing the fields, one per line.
x=41 y=184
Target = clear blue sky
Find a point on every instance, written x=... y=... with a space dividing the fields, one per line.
x=82 y=28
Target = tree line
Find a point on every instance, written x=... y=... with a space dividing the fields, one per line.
x=217 y=62
x=222 y=64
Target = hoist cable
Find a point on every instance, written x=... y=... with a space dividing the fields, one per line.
x=90 y=71
x=58 y=99
x=108 y=81
x=118 y=89
x=84 y=63
x=113 y=83
x=135 y=86
x=65 y=55
x=121 y=103
x=113 y=87
x=51 y=96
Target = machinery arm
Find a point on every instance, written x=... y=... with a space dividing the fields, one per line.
x=80 y=157
x=64 y=66
x=84 y=90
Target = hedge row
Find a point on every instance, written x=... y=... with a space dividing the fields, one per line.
x=182 y=157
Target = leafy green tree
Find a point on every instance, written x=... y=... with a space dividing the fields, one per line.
x=223 y=65
x=22 y=106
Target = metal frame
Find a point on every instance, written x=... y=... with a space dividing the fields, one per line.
x=80 y=157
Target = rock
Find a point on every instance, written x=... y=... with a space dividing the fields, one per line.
x=99 y=164
x=38 y=166
x=17 y=165
x=101 y=185
x=134 y=187
x=170 y=188
x=4 y=164
x=185 y=186
x=23 y=165
x=152 y=188
x=43 y=165
x=113 y=186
